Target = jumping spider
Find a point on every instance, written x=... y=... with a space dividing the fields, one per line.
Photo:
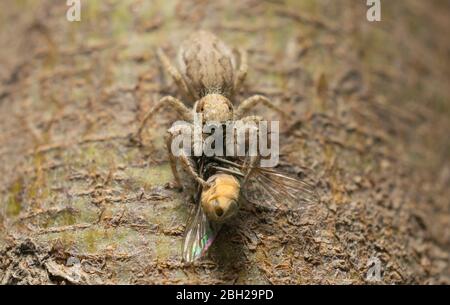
x=209 y=80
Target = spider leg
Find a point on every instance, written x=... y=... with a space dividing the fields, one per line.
x=186 y=90
x=167 y=101
x=252 y=102
x=242 y=72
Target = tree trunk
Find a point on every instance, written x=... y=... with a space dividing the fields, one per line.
x=81 y=203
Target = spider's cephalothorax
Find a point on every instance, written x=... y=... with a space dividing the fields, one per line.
x=214 y=108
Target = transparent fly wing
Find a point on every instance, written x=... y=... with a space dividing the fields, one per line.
x=199 y=235
x=275 y=190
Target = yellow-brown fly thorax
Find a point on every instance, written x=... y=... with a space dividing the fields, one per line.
x=215 y=107
x=221 y=200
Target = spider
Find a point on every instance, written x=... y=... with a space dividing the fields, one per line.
x=209 y=80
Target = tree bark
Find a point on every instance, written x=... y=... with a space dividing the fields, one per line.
x=81 y=203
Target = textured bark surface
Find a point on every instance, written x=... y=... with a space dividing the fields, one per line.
x=81 y=203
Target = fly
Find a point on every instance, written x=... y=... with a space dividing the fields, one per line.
x=263 y=187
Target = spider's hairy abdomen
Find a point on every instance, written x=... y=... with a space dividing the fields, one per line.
x=207 y=64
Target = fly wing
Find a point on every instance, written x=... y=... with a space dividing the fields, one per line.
x=199 y=234
x=270 y=188
x=276 y=190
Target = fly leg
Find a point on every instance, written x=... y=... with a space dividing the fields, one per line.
x=186 y=90
x=242 y=72
x=252 y=102
x=181 y=155
x=167 y=101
